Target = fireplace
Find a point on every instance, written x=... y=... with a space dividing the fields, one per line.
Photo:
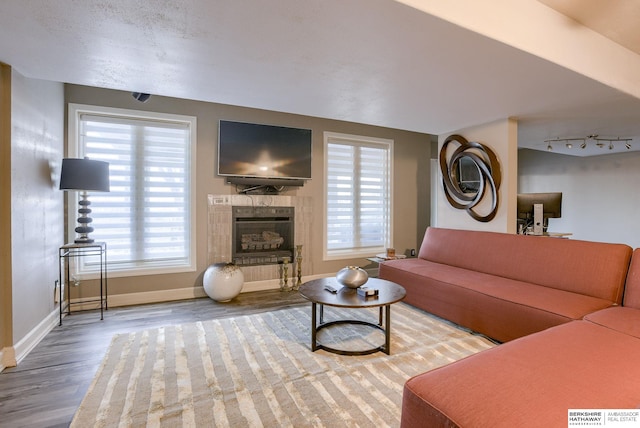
x=262 y=235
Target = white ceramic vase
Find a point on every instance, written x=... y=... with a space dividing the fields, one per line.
x=223 y=281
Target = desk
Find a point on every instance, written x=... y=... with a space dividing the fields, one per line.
x=69 y=251
x=557 y=234
x=552 y=234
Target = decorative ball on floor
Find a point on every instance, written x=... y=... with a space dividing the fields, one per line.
x=223 y=281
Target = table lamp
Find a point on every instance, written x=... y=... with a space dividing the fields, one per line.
x=84 y=175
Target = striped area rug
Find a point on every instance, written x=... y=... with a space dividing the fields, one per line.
x=258 y=370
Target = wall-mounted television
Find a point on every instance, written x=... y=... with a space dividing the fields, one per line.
x=256 y=154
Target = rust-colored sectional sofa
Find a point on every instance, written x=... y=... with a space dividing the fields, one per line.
x=573 y=341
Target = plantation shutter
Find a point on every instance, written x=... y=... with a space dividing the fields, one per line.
x=357 y=196
x=145 y=218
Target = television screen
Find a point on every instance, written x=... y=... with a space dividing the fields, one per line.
x=263 y=151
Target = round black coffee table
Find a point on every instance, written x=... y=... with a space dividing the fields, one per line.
x=388 y=293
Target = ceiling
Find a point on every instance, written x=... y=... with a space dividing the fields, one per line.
x=378 y=62
x=616 y=20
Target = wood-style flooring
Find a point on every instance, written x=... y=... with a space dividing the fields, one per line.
x=48 y=385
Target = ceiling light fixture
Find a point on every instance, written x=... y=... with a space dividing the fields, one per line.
x=568 y=141
x=626 y=141
x=600 y=142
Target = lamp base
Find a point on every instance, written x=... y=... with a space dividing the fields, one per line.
x=82 y=240
x=84 y=221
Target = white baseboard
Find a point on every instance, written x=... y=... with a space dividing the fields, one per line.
x=129 y=299
x=11 y=356
x=27 y=343
x=159 y=296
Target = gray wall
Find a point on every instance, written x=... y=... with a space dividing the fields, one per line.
x=600 y=198
x=37 y=124
x=411 y=177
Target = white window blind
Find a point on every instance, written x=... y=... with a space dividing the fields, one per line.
x=146 y=218
x=358 y=196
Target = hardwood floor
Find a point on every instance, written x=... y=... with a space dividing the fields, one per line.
x=48 y=385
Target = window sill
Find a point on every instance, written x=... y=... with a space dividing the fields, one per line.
x=353 y=254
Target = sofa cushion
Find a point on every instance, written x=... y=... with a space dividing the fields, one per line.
x=529 y=382
x=632 y=287
x=501 y=308
x=592 y=268
x=623 y=319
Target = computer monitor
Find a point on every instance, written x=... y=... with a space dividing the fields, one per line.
x=551 y=208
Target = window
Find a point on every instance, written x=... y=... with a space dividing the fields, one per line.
x=357 y=195
x=147 y=219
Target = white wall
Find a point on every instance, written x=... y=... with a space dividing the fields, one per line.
x=600 y=198
x=562 y=41
x=501 y=137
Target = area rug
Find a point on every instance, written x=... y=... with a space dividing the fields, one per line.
x=258 y=370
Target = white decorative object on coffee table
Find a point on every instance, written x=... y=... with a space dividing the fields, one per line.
x=223 y=281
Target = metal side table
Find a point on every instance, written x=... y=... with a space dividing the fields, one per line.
x=71 y=251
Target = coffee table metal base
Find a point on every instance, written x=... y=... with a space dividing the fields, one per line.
x=315 y=327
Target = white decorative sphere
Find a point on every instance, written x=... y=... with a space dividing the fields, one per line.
x=352 y=276
x=223 y=281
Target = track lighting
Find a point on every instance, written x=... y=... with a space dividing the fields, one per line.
x=600 y=142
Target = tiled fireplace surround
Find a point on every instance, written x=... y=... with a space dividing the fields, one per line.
x=220 y=235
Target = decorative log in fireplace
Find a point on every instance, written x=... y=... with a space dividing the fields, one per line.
x=262 y=235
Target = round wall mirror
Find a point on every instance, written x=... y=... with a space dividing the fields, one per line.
x=467 y=175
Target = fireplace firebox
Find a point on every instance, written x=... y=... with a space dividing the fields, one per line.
x=262 y=235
